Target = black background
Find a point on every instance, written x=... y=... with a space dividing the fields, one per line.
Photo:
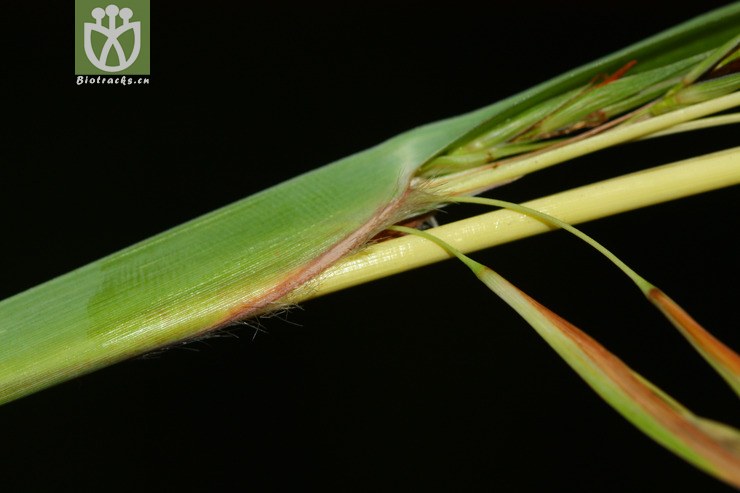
x=423 y=381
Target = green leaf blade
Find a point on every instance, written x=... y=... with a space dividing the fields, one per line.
x=233 y=263
x=243 y=259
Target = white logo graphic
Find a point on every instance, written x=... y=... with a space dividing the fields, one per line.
x=112 y=33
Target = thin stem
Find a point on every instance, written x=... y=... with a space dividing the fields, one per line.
x=702 y=123
x=547 y=219
x=625 y=193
